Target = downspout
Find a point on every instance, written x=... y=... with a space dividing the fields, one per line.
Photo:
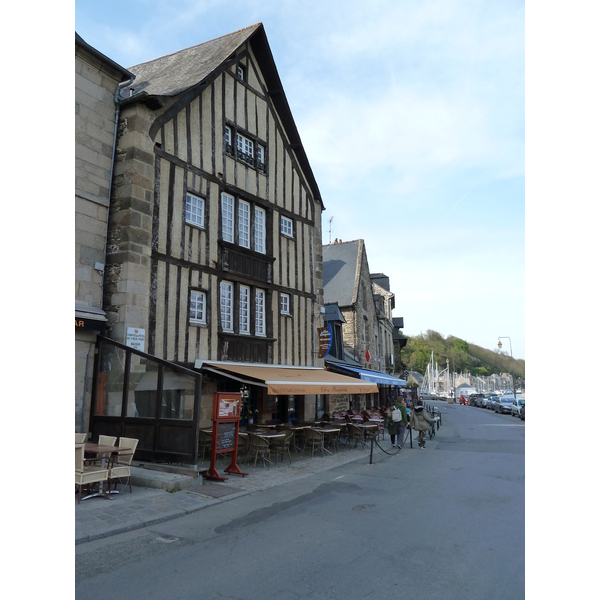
x=112 y=167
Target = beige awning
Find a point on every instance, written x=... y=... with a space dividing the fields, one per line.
x=280 y=379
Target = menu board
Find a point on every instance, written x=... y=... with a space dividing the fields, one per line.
x=226 y=406
x=226 y=436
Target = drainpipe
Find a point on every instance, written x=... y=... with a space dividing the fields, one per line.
x=112 y=162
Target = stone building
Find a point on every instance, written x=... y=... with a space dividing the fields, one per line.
x=213 y=277
x=96 y=81
x=366 y=304
x=384 y=305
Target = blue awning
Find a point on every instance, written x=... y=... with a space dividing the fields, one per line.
x=375 y=376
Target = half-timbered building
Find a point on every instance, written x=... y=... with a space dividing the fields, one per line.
x=214 y=248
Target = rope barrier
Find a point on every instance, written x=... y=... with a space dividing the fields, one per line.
x=373 y=440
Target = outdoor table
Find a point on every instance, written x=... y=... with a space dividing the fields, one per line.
x=323 y=431
x=267 y=436
x=103 y=450
x=295 y=428
x=366 y=427
x=328 y=430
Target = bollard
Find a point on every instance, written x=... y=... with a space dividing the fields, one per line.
x=371 y=459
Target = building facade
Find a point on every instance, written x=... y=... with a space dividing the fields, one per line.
x=214 y=260
x=365 y=303
x=96 y=80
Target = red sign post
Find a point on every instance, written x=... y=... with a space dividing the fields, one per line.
x=225 y=431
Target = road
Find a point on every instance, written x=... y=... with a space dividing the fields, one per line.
x=447 y=522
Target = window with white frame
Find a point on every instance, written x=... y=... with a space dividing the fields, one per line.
x=194 y=210
x=260 y=230
x=244 y=224
x=287 y=226
x=244 y=309
x=260 y=157
x=285 y=304
x=227 y=306
x=198 y=308
x=259 y=320
x=245 y=148
x=227 y=203
x=241 y=72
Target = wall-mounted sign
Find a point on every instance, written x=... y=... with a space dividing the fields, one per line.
x=136 y=338
x=324 y=334
x=89 y=324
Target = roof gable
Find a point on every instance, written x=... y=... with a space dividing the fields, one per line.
x=187 y=72
x=175 y=73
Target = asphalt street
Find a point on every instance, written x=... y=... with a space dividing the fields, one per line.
x=441 y=523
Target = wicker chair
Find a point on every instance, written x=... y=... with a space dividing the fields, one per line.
x=204 y=442
x=85 y=475
x=355 y=436
x=314 y=440
x=107 y=440
x=259 y=446
x=332 y=439
x=122 y=468
x=282 y=445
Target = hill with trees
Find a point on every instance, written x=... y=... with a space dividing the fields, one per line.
x=463 y=357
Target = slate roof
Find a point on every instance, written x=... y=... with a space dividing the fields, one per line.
x=333 y=313
x=191 y=69
x=175 y=73
x=340 y=272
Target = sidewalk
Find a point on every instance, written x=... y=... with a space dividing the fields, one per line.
x=159 y=496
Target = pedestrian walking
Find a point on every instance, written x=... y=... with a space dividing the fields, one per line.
x=420 y=421
x=397 y=421
x=401 y=426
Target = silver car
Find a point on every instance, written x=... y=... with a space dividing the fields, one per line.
x=515 y=409
x=503 y=404
x=487 y=399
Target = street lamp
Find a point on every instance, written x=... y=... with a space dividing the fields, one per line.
x=500 y=346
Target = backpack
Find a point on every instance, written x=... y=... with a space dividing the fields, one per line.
x=396 y=415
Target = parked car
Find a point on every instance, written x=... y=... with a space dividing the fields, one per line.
x=503 y=404
x=487 y=398
x=517 y=405
x=474 y=399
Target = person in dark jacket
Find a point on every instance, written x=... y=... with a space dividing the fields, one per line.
x=420 y=421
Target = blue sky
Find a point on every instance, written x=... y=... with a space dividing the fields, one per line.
x=412 y=113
